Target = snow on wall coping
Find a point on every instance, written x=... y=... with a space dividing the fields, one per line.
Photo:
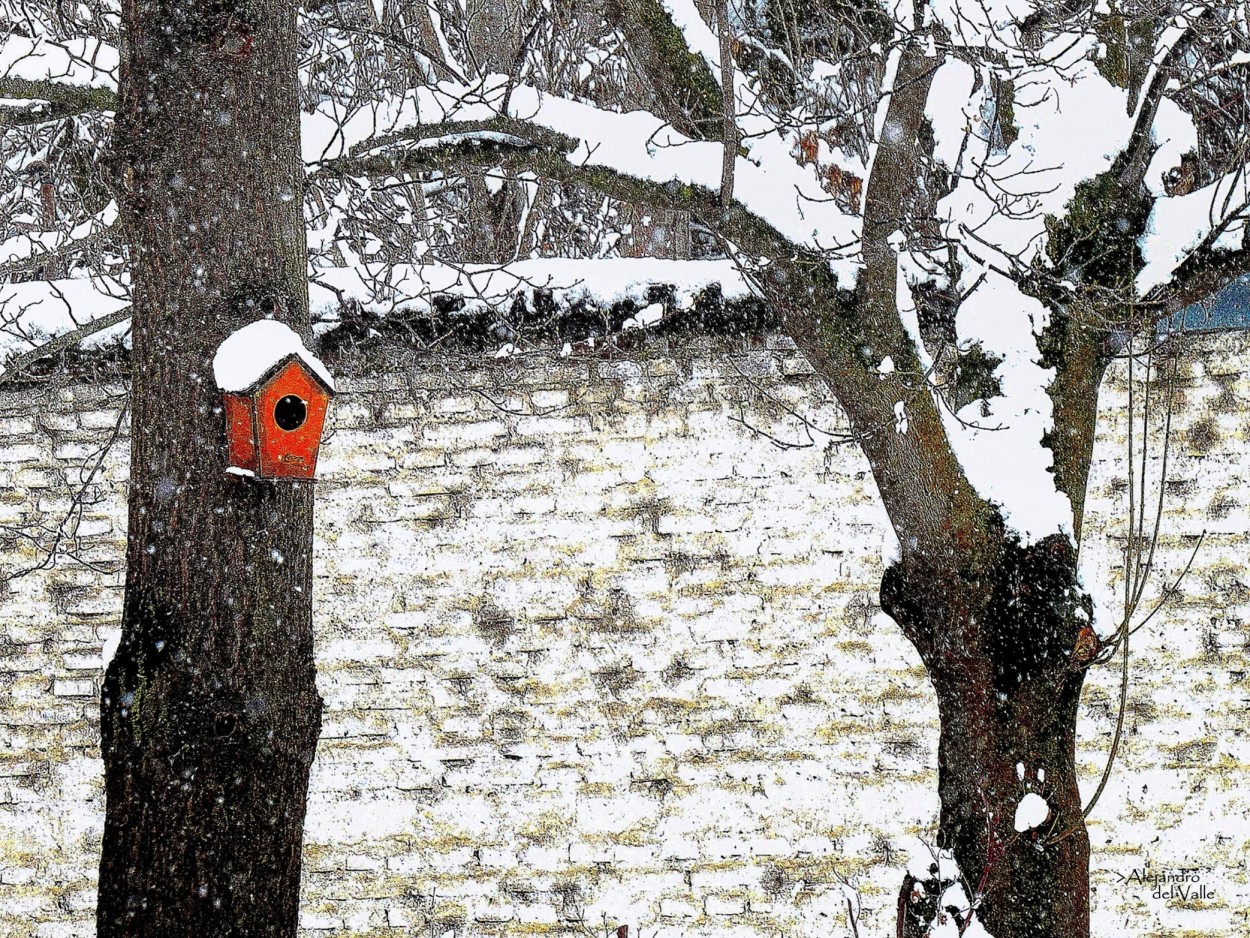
x=82 y=61
x=414 y=286
x=250 y=352
x=33 y=312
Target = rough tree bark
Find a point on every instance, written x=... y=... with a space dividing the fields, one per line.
x=997 y=639
x=210 y=713
x=1003 y=632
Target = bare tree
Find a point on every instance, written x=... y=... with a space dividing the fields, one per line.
x=210 y=713
x=930 y=222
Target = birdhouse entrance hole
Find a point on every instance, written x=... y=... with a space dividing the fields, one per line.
x=290 y=413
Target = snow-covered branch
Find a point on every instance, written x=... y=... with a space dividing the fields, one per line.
x=686 y=89
x=24 y=102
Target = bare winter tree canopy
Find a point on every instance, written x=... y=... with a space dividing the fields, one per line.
x=1081 y=167
x=961 y=210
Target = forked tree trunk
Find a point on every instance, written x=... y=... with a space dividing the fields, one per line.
x=210 y=712
x=997 y=639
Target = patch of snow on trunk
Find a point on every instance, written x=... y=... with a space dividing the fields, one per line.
x=1031 y=812
x=1009 y=432
x=110 y=646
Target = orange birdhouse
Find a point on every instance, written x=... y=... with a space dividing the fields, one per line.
x=276 y=394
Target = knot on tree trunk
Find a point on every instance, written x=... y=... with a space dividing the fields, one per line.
x=1015 y=612
x=1037 y=610
x=212 y=23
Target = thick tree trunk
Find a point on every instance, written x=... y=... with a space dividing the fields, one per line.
x=998 y=639
x=210 y=712
x=991 y=754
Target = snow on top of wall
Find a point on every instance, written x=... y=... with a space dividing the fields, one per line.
x=244 y=357
x=414 y=286
x=475 y=136
x=80 y=61
x=33 y=312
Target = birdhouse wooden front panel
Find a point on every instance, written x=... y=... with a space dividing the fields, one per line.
x=290 y=411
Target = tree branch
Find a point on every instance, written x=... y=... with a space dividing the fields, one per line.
x=1098 y=238
x=1141 y=144
x=15 y=366
x=455 y=146
x=729 y=122
x=685 y=89
x=23 y=265
x=1204 y=272
x=522 y=146
x=926 y=493
x=63 y=101
x=922 y=482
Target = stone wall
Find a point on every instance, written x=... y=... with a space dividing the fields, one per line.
x=599 y=646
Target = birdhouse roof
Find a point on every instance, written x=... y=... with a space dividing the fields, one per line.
x=251 y=355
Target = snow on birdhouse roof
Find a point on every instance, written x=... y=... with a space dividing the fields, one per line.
x=251 y=353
